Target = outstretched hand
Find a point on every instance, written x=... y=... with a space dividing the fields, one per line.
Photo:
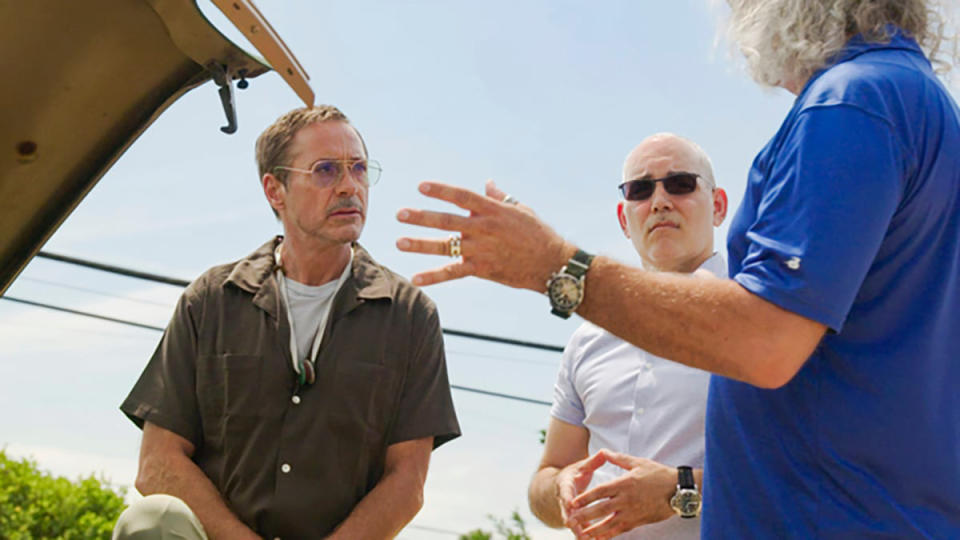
x=499 y=241
x=639 y=497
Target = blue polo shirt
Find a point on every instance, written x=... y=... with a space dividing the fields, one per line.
x=851 y=218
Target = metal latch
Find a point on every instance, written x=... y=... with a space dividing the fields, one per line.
x=221 y=77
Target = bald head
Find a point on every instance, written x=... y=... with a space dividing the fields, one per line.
x=671 y=231
x=656 y=150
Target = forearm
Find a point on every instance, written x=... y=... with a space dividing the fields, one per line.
x=543 y=499
x=394 y=501
x=177 y=475
x=712 y=324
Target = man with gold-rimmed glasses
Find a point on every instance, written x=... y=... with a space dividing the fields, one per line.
x=268 y=410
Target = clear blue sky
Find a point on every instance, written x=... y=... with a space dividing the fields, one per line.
x=545 y=96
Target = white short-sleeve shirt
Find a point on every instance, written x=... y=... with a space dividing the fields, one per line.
x=635 y=403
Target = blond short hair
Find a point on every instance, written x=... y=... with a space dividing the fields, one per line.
x=273 y=145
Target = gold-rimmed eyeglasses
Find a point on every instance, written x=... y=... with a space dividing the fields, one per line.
x=327 y=172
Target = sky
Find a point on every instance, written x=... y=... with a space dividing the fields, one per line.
x=544 y=96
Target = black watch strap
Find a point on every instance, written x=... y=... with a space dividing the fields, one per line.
x=685 y=477
x=578 y=264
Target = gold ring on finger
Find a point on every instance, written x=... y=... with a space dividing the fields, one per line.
x=453 y=246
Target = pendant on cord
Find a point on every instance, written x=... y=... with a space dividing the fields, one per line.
x=307 y=374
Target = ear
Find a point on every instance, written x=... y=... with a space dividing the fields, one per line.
x=275 y=191
x=623 y=219
x=719 y=206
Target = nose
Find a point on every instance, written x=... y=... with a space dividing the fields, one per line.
x=347 y=184
x=660 y=200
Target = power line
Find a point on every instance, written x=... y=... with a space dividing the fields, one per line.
x=503 y=358
x=183 y=283
x=160 y=329
x=114 y=269
x=96 y=292
x=81 y=313
x=80 y=331
x=437 y=530
x=505 y=341
x=170 y=306
x=499 y=395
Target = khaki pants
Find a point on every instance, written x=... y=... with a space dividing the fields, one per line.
x=158 y=517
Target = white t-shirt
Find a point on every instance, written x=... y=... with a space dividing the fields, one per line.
x=308 y=304
x=308 y=307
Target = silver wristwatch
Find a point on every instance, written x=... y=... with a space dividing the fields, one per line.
x=686 y=502
x=565 y=288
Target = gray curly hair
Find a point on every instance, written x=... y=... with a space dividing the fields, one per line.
x=786 y=41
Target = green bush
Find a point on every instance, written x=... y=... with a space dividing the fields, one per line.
x=34 y=504
x=506 y=531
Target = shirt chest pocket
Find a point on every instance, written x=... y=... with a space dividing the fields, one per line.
x=364 y=395
x=229 y=390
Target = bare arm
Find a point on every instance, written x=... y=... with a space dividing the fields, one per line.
x=566 y=445
x=397 y=497
x=712 y=324
x=166 y=467
x=715 y=325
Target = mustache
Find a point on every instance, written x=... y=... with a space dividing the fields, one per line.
x=352 y=203
x=654 y=222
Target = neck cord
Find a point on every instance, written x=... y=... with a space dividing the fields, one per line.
x=306 y=367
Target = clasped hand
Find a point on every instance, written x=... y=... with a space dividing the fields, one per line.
x=638 y=497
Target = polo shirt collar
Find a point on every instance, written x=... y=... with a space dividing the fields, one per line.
x=256 y=275
x=858 y=45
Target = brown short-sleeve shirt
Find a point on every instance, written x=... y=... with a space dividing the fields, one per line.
x=293 y=461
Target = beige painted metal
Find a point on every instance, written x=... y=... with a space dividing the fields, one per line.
x=248 y=19
x=82 y=80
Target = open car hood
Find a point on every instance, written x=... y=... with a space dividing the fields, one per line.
x=84 y=79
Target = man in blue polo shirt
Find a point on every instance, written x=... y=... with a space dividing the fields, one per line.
x=834 y=411
x=850 y=218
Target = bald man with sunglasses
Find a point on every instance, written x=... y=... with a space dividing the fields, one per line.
x=627 y=427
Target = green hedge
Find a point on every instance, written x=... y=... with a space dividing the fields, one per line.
x=34 y=504
x=506 y=530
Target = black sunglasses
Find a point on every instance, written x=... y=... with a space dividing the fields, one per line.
x=675 y=184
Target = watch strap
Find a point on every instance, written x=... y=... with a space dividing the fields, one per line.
x=578 y=265
x=685 y=477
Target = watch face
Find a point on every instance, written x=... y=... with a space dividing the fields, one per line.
x=686 y=502
x=565 y=292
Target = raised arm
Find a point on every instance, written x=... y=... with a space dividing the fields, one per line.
x=712 y=324
x=715 y=325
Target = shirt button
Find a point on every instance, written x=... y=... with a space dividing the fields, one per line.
x=793 y=263
x=295 y=400
x=285 y=468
